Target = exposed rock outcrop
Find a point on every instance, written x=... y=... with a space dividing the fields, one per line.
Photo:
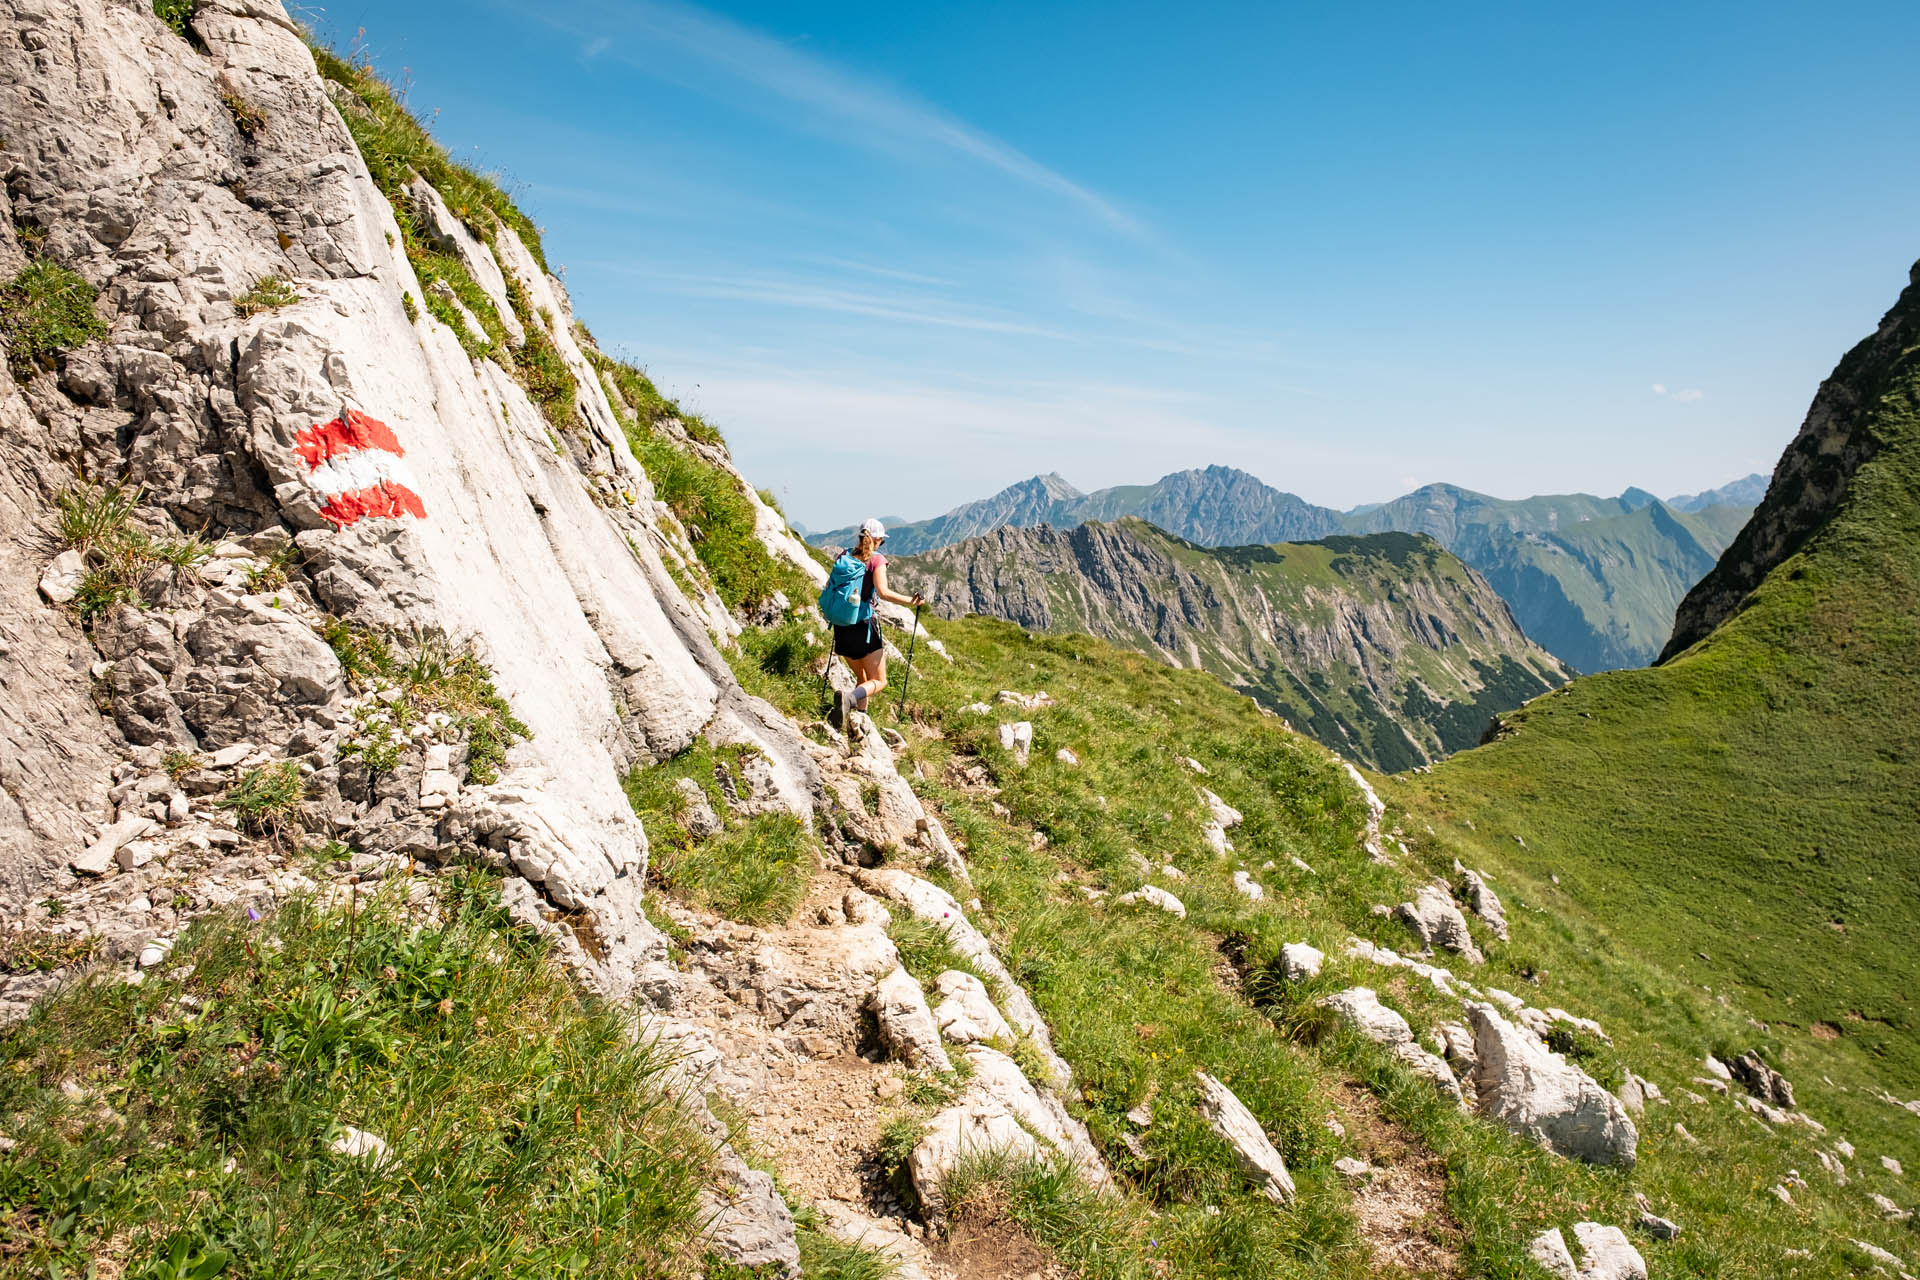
x=1536 y=1092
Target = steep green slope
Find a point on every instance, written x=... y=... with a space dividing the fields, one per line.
x=1747 y=812
x=1385 y=648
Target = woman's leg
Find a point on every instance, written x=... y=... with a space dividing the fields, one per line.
x=871 y=672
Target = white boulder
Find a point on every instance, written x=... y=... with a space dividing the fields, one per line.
x=1154 y=896
x=1607 y=1254
x=1538 y=1093
x=1247 y=887
x=1360 y=1008
x=1299 y=961
x=1438 y=923
x=966 y=1012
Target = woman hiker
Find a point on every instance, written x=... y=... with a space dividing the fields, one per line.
x=858 y=578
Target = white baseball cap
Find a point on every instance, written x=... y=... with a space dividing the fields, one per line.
x=873 y=528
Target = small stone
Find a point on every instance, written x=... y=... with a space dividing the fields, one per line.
x=1141 y=1116
x=99 y=855
x=1781 y=1194
x=1298 y=865
x=1240 y=1129
x=1247 y=887
x=1066 y=757
x=360 y=1145
x=227 y=757
x=1549 y=1251
x=151 y=955
x=1888 y=1208
x=1300 y=962
x=1353 y=1170
x=178 y=808
x=1657 y=1227
x=1154 y=896
x=1892 y=1166
x=63 y=577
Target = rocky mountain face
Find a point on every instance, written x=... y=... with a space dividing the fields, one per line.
x=1215 y=505
x=1845 y=428
x=1386 y=648
x=1594 y=581
x=1744 y=492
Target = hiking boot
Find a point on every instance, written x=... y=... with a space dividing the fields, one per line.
x=838 y=716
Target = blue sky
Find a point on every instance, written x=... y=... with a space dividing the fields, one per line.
x=904 y=255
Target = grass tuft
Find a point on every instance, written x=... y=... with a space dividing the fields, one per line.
x=44 y=310
x=269 y=293
x=182 y=1127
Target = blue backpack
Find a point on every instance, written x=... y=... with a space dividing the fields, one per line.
x=841 y=601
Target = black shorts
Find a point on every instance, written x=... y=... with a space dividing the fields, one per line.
x=858 y=639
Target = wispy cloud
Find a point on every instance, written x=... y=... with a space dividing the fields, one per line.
x=595 y=47
x=1679 y=395
x=865 y=111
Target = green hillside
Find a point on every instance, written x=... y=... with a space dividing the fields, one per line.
x=1749 y=812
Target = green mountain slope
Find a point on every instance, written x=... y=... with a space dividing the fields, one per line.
x=1386 y=648
x=1593 y=580
x=1749 y=812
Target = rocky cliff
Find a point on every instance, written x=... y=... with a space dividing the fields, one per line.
x=1386 y=648
x=270 y=398
x=1847 y=425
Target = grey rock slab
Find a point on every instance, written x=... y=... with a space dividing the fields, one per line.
x=907 y=1025
x=1483 y=902
x=99 y=855
x=696 y=810
x=1761 y=1080
x=1538 y=1093
x=961 y=1131
x=1437 y=922
x=1360 y=1008
x=966 y=1012
x=1607 y=1254
x=1229 y=1118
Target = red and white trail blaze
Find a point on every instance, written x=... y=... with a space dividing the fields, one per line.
x=357 y=463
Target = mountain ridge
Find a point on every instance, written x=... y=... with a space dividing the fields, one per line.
x=1382 y=646
x=1595 y=581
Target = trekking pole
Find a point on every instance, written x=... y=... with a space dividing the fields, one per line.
x=899 y=712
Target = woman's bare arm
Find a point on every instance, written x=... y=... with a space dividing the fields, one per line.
x=880 y=590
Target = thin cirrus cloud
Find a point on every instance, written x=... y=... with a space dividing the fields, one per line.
x=1679 y=395
x=867 y=113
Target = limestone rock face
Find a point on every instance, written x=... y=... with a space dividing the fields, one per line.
x=907 y=1025
x=1438 y=923
x=409 y=486
x=1228 y=1117
x=1360 y=1008
x=1536 y=1092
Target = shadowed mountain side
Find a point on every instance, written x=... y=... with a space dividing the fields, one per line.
x=1385 y=648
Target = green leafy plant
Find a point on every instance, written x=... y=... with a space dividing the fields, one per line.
x=430 y=675
x=97 y=520
x=175 y=13
x=269 y=293
x=247 y=118
x=44 y=310
x=40 y=950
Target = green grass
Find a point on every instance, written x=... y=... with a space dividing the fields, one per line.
x=267 y=798
x=269 y=293
x=181 y=1127
x=433 y=675
x=1138 y=1000
x=44 y=310
x=175 y=13
x=1744 y=813
x=98 y=521
x=755 y=869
